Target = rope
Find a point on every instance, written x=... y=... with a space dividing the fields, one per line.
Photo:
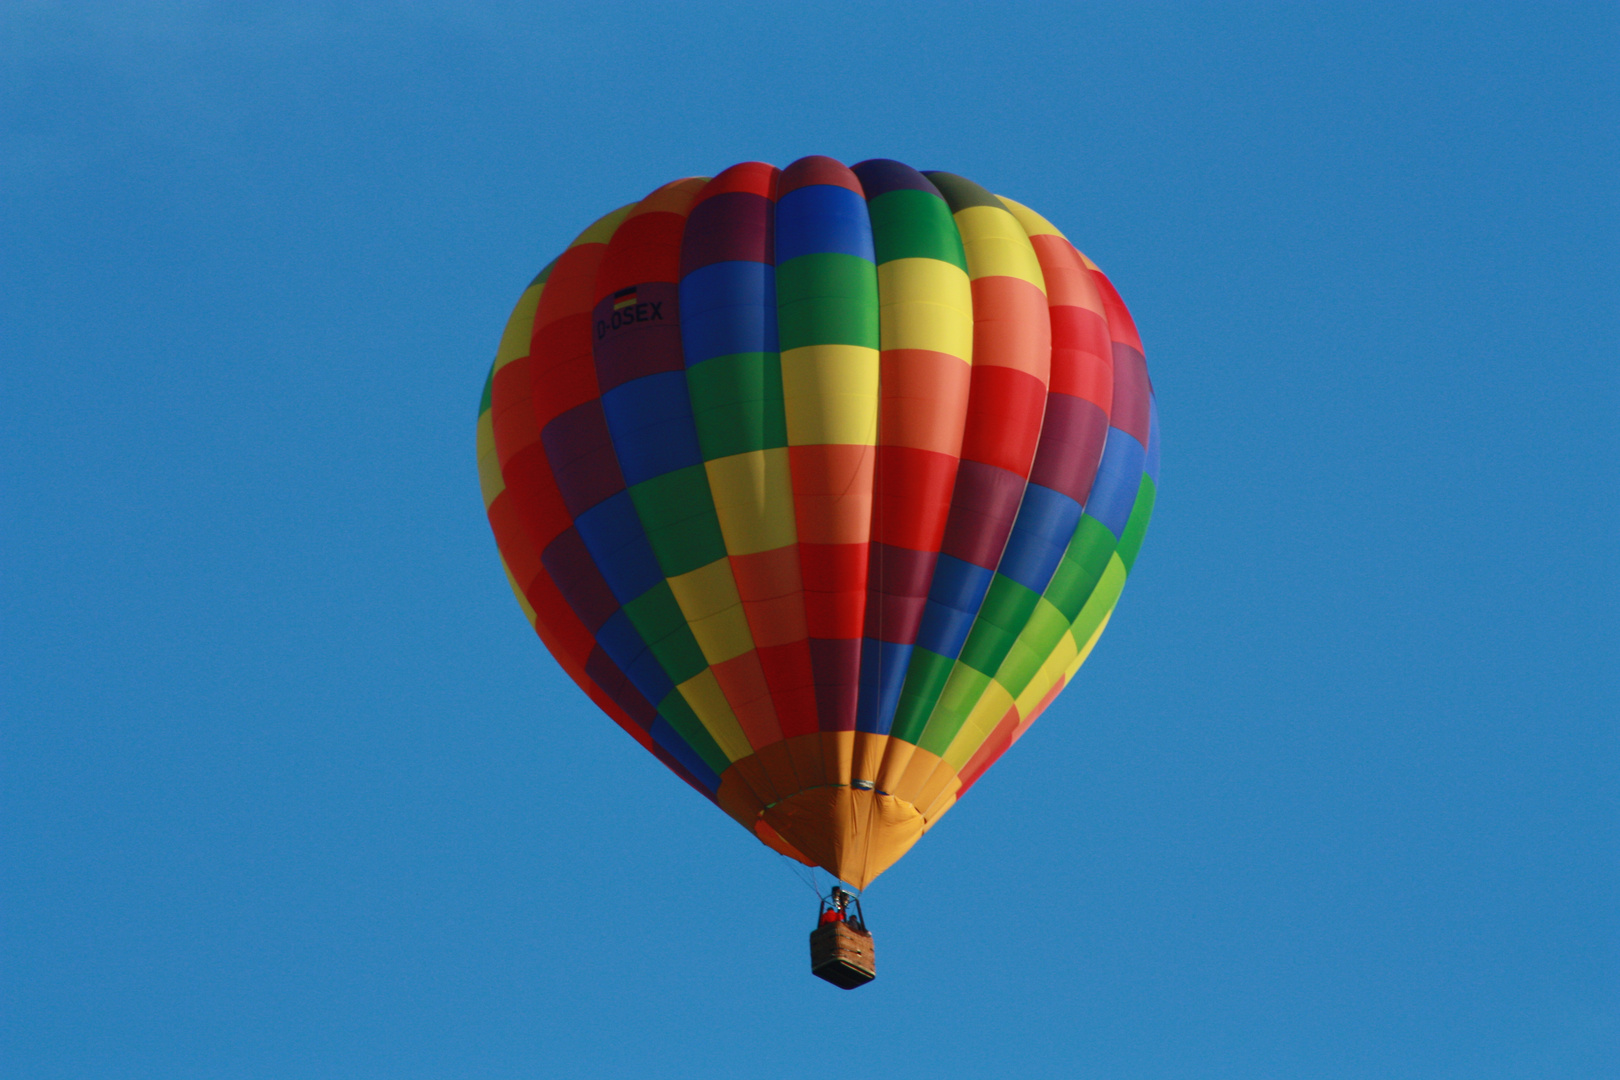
x=799 y=873
x=866 y=856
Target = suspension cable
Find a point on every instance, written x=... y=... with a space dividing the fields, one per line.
x=799 y=873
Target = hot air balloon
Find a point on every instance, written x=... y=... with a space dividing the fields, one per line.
x=822 y=482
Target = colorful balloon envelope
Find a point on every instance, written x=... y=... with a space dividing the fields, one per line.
x=822 y=482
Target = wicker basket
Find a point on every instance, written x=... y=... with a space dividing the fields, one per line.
x=842 y=955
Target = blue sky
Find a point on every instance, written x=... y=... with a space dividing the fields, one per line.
x=290 y=790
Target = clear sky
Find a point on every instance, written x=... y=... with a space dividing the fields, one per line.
x=290 y=789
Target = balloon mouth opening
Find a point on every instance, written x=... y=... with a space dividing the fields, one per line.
x=775 y=841
x=854 y=833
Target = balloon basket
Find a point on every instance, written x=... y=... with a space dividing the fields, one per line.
x=842 y=955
